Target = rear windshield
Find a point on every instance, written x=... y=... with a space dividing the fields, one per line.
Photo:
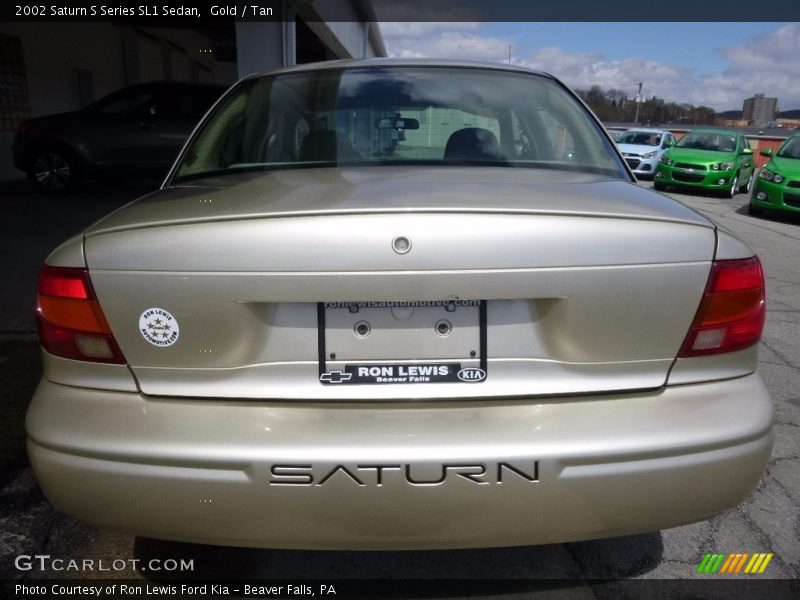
x=385 y=116
x=718 y=142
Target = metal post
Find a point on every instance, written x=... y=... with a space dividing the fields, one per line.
x=638 y=102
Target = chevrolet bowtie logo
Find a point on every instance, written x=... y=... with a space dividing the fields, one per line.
x=335 y=376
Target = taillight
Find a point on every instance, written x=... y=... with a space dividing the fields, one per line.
x=731 y=314
x=71 y=322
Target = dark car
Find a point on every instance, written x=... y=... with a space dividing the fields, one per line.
x=136 y=130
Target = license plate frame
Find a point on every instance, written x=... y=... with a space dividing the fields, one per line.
x=472 y=369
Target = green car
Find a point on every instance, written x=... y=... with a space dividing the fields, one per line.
x=778 y=183
x=709 y=159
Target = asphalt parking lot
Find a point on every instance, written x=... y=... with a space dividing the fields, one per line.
x=768 y=522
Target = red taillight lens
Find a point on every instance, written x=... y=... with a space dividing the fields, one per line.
x=71 y=322
x=731 y=314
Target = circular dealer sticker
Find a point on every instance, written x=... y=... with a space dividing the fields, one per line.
x=159 y=327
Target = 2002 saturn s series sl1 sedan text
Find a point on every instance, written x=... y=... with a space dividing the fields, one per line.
x=393 y=304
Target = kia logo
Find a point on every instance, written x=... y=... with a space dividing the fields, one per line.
x=472 y=375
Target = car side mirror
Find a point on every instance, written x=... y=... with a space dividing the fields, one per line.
x=766 y=152
x=669 y=143
x=747 y=150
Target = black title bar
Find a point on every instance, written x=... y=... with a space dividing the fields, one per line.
x=386 y=589
x=202 y=11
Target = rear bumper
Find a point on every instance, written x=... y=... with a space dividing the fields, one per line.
x=435 y=474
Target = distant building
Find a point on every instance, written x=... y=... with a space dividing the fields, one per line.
x=730 y=118
x=788 y=118
x=759 y=111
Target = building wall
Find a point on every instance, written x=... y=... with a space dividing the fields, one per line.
x=764 y=112
x=730 y=122
x=53 y=52
x=759 y=143
x=759 y=110
x=52 y=56
x=67 y=67
x=341 y=26
x=259 y=47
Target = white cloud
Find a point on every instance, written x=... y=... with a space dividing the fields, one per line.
x=453 y=44
x=779 y=49
x=768 y=64
x=405 y=29
x=442 y=40
x=585 y=70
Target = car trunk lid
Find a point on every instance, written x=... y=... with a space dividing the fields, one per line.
x=590 y=285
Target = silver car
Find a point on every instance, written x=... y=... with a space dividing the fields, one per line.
x=641 y=149
x=320 y=333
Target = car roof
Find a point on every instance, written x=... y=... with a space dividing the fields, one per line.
x=192 y=84
x=714 y=130
x=646 y=130
x=401 y=62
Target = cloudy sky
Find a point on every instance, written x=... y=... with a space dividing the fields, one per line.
x=715 y=64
